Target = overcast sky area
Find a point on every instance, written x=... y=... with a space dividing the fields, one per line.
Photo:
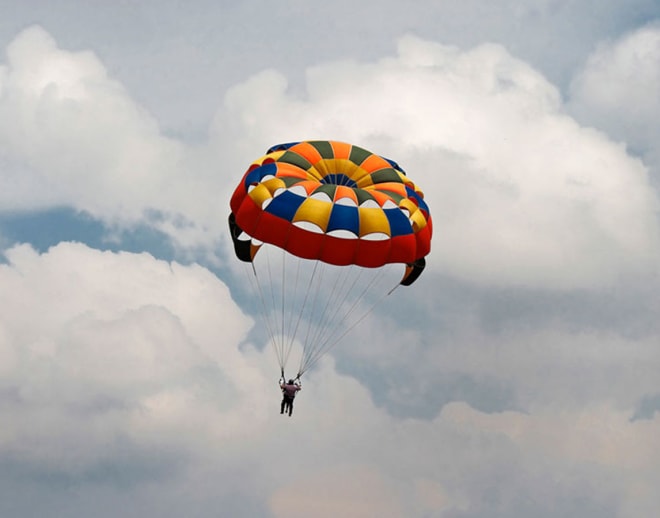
x=518 y=377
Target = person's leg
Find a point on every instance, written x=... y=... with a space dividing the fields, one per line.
x=282 y=406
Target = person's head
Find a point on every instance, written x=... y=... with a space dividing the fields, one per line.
x=290 y=382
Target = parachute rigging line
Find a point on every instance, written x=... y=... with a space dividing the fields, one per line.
x=311 y=355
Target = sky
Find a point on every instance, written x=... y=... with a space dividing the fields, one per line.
x=518 y=377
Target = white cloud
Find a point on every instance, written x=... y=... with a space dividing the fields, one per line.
x=122 y=378
x=77 y=131
x=122 y=364
x=619 y=86
x=618 y=91
x=175 y=59
x=70 y=135
x=520 y=193
x=101 y=339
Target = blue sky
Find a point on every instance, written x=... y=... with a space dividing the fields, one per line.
x=517 y=378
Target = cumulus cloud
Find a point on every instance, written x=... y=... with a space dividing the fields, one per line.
x=70 y=135
x=75 y=128
x=125 y=378
x=618 y=91
x=95 y=336
x=116 y=362
x=122 y=374
x=520 y=193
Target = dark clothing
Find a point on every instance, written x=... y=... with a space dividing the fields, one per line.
x=288 y=394
x=287 y=405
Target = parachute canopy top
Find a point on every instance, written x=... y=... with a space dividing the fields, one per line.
x=334 y=202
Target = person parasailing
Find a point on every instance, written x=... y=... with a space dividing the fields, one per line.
x=289 y=390
x=320 y=223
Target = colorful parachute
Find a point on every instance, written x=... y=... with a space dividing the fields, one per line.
x=339 y=212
